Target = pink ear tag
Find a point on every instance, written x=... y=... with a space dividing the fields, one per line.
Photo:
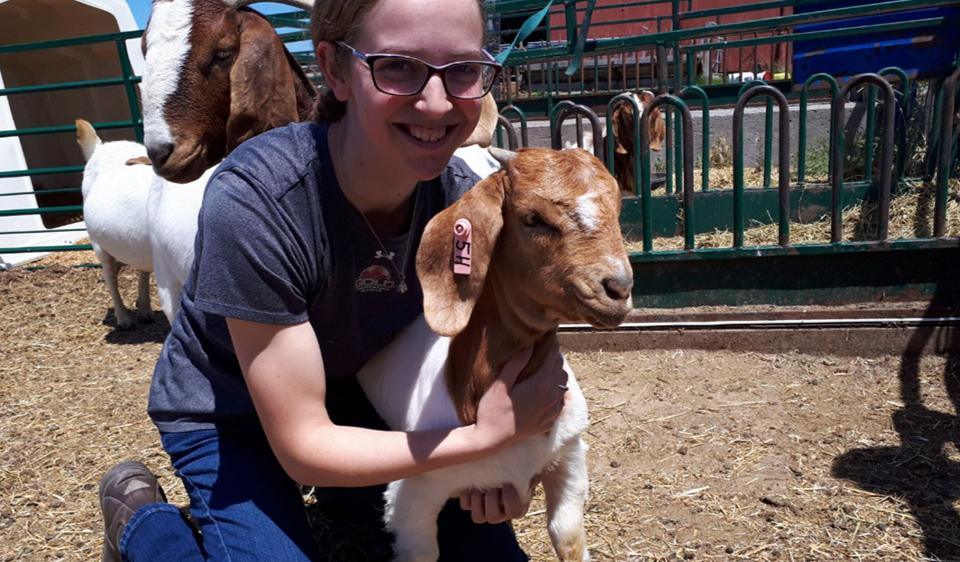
x=462 y=247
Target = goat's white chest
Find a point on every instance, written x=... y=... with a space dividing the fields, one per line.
x=405 y=381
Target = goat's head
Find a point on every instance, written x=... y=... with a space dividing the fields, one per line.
x=546 y=242
x=216 y=75
x=622 y=121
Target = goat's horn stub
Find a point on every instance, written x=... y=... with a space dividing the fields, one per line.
x=502 y=155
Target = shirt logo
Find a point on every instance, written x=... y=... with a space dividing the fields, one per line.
x=374 y=279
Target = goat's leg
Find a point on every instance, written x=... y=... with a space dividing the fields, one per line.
x=412 y=507
x=110 y=268
x=144 y=313
x=168 y=288
x=565 y=486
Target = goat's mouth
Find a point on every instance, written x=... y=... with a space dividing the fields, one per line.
x=601 y=307
x=427 y=137
x=184 y=166
x=605 y=314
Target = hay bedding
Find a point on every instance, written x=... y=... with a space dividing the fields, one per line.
x=694 y=455
x=911 y=216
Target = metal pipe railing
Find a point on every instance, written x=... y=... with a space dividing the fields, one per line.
x=783 y=155
x=886 y=156
x=689 y=219
x=946 y=152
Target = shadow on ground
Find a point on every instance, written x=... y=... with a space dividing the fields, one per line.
x=153 y=331
x=920 y=470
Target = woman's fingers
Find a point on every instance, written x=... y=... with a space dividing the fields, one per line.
x=494 y=506
x=477 y=507
x=513 y=506
x=514 y=366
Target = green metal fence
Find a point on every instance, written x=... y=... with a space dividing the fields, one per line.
x=784 y=272
x=293 y=28
x=594 y=68
x=831 y=271
x=127 y=79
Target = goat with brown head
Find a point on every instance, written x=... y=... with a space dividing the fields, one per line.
x=547 y=249
x=625 y=151
x=216 y=74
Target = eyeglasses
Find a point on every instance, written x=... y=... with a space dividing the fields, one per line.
x=400 y=75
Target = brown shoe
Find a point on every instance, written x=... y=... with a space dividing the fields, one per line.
x=124 y=489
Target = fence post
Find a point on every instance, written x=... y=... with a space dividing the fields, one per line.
x=802 y=141
x=886 y=157
x=784 y=163
x=689 y=220
x=946 y=153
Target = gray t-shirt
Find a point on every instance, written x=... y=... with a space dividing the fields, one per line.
x=278 y=243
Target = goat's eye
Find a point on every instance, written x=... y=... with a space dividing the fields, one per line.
x=535 y=221
x=222 y=56
x=532 y=220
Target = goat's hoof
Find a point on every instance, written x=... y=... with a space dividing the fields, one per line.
x=145 y=316
x=125 y=321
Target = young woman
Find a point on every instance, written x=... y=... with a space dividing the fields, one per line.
x=304 y=270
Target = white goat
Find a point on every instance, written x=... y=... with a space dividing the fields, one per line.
x=115 y=192
x=546 y=249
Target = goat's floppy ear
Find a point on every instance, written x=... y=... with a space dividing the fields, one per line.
x=262 y=94
x=482 y=135
x=657 y=128
x=448 y=299
x=621 y=115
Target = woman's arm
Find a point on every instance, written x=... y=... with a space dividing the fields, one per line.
x=283 y=369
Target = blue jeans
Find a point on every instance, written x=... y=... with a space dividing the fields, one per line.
x=247 y=508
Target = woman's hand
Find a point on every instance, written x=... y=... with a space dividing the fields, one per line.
x=509 y=411
x=496 y=506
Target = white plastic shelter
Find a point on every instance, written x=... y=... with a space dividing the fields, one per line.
x=30 y=21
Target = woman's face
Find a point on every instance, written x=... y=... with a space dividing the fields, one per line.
x=419 y=133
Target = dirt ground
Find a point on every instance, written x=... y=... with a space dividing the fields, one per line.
x=694 y=455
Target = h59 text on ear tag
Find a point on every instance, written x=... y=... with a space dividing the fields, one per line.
x=462 y=247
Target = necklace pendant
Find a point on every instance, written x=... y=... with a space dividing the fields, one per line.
x=402 y=287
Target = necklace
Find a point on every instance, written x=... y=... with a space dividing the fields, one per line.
x=383 y=252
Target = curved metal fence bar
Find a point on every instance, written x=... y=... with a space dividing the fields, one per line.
x=617 y=100
x=524 y=137
x=767 y=131
x=556 y=134
x=783 y=186
x=705 y=118
x=504 y=124
x=554 y=112
x=886 y=155
x=689 y=220
x=903 y=114
x=802 y=137
x=946 y=153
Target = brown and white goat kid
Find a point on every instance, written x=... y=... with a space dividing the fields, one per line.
x=624 y=151
x=546 y=249
x=217 y=74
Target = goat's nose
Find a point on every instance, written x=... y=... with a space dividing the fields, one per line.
x=618 y=287
x=159 y=153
